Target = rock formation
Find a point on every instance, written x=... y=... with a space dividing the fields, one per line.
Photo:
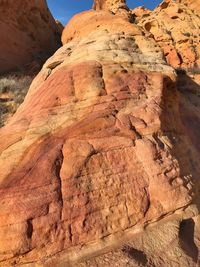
x=110 y=5
x=175 y=27
x=28 y=33
x=191 y=4
x=103 y=154
x=141 y=11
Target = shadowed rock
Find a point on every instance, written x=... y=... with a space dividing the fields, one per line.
x=29 y=34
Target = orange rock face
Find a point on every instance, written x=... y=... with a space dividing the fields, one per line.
x=175 y=27
x=192 y=4
x=141 y=11
x=28 y=33
x=103 y=148
x=110 y=5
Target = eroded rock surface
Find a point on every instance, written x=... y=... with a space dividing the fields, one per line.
x=175 y=27
x=110 y=5
x=102 y=155
x=191 y=4
x=28 y=33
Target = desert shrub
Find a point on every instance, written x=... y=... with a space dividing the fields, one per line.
x=15 y=84
x=18 y=86
x=16 y=89
x=6 y=84
x=21 y=88
x=194 y=70
x=4 y=109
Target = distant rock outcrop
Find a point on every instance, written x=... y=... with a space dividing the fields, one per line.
x=104 y=152
x=28 y=33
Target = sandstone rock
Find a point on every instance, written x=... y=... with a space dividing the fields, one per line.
x=192 y=4
x=114 y=7
x=103 y=154
x=110 y=5
x=28 y=33
x=175 y=28
x=141 y=11
x=170 y=243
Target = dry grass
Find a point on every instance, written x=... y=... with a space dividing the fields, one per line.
x=13 y=90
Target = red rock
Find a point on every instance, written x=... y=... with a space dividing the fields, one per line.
x=102 y=152
x=28 y=33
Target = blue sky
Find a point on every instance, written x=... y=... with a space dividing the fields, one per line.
x=63 y=10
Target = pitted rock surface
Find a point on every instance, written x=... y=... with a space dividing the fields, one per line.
x=110 y=5
x=175 y=27
x=102 y=155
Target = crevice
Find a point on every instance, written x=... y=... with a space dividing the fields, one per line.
x=29 y=230
x=138 y=135
x=70 y=232
x=103 y=81
x=54 y=64
x=127 y=213
x=180 y=58
x=148 y=201
x=73 y=83
x=186 y=239
x=48 y=74
x=58 y=166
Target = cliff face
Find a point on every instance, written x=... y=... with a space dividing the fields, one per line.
x=28 y=33
x=104 y=152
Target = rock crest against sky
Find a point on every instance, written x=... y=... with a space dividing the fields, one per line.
x=63 y=10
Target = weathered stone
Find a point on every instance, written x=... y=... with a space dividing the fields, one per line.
x=110 y=5
x=28 y=33
x=175 y=27
x=103 y=153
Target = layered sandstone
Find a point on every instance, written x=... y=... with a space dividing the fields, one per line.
x=28 y=33
x=102 y=155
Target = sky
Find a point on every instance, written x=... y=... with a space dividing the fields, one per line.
x=63 y=10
